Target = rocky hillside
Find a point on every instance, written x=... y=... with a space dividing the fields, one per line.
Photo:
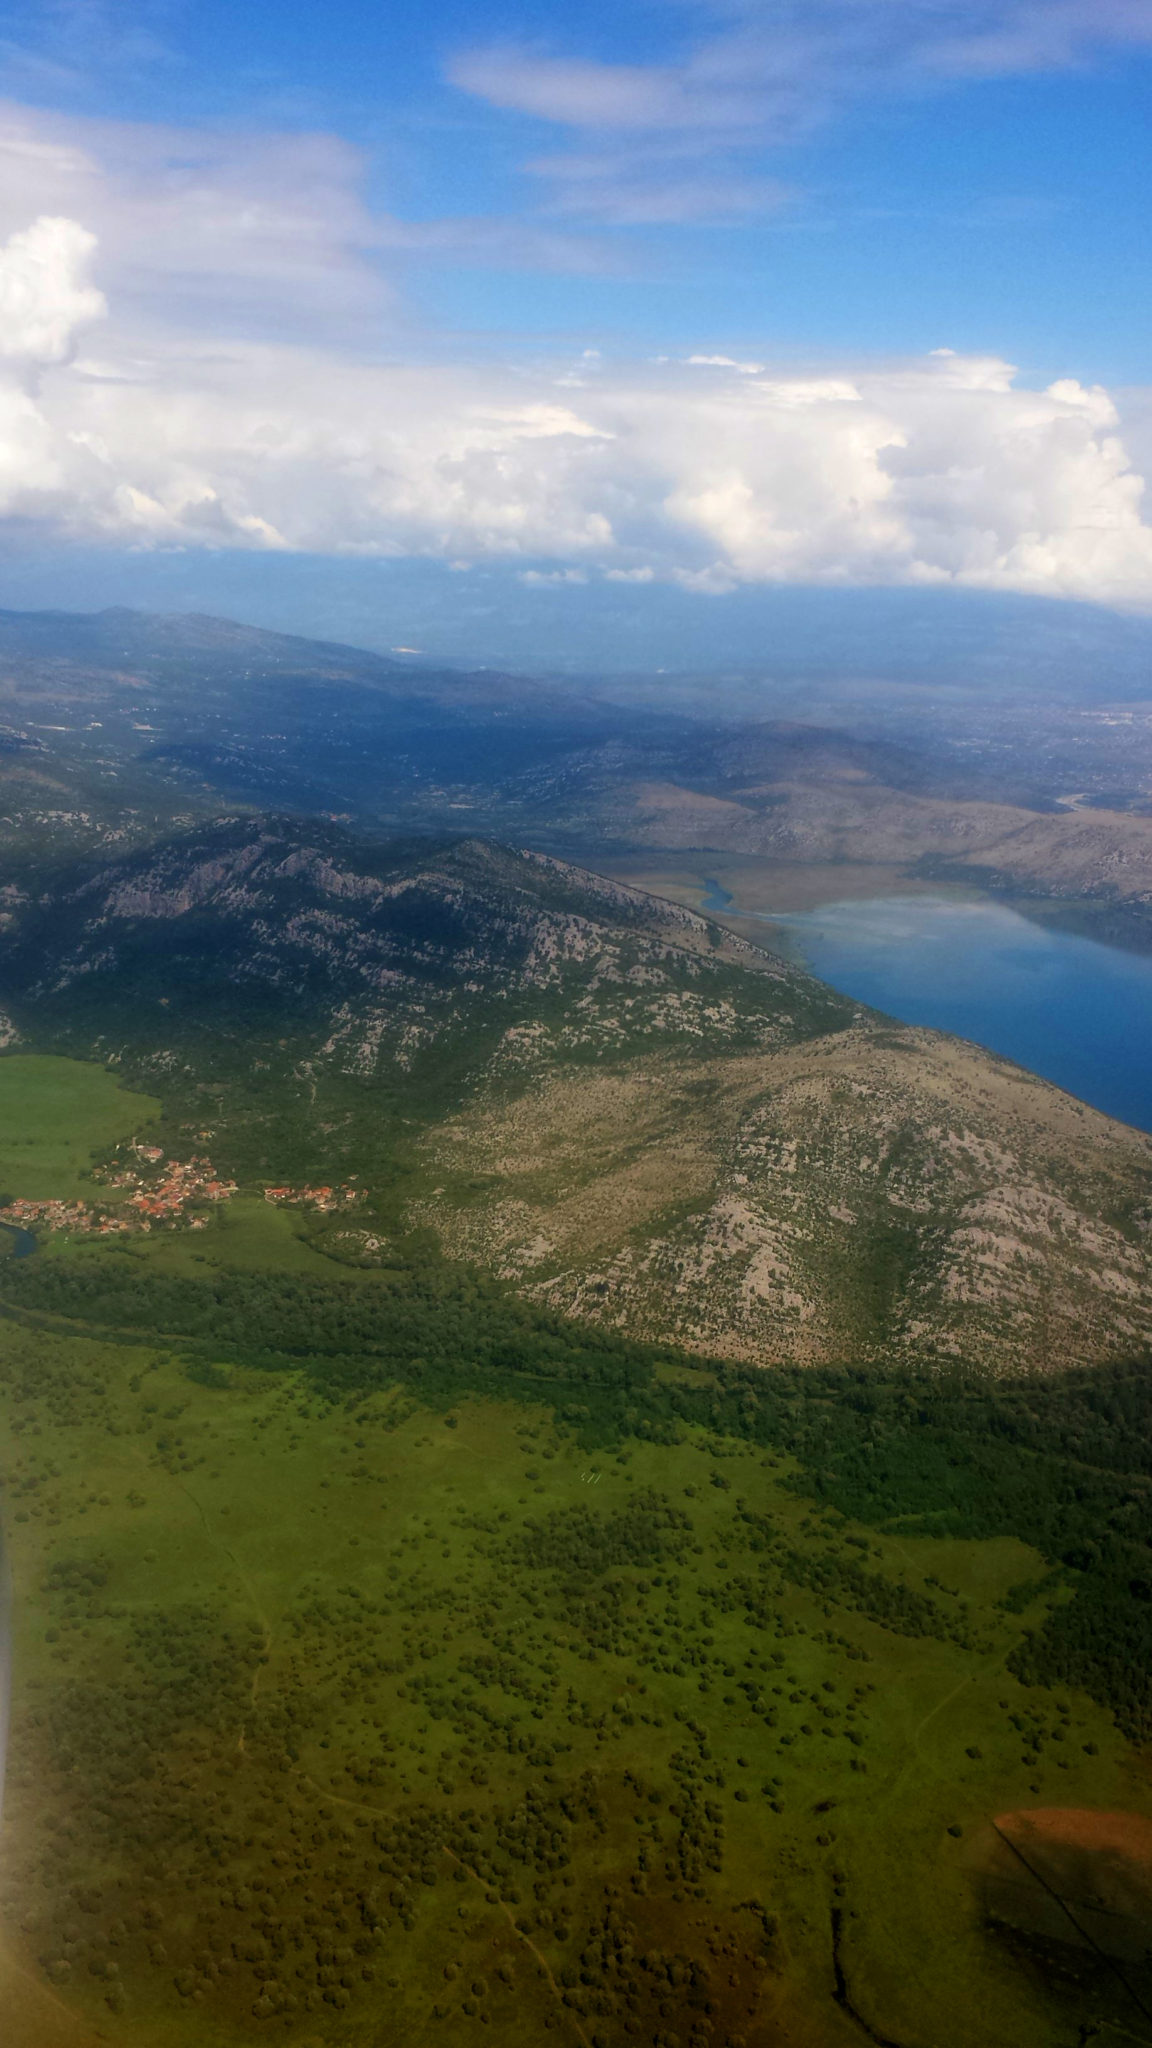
x=876 y=1194
x=368 y=958
x=628 y=1111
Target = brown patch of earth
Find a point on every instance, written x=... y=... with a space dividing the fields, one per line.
x=1075 y=1876
x=33 y=2015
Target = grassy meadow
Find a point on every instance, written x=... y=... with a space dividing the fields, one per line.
x=356 y=1722
x=56 y=1115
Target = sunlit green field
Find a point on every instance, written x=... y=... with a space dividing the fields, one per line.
x=55 y=1114
x=245 y=1235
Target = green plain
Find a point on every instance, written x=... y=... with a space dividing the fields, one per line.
x=354 y=1723
x=56 y=1115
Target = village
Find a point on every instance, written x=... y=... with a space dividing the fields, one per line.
x=170 y=1194
x=324 y=1199
x=173 y=1197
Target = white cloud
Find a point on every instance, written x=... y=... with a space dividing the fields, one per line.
x=248 y=229
x=1004 y=38
x=184 y=420
x=939 y=470
x=45 y=291
x=649 y=187
x=258 y=234
x=725 y=363
x=582 y=94
x=776 y=64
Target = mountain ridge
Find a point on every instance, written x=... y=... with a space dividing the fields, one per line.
x=605 y=1098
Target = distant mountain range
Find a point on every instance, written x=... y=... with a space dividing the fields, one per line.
x=115 y=724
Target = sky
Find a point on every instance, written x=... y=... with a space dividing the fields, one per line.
x=452 y=318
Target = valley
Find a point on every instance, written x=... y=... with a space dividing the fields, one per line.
x=563 y=1479
x=115 y=720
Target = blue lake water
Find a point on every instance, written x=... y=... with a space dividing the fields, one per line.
x=1076 y=1011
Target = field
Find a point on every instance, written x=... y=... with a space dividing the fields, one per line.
x=362 y=1722
x=55 y=1114
x=380 y=1693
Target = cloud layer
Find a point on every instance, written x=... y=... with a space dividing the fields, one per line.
x=710 y=473
x=775 y=65
x=148 y=399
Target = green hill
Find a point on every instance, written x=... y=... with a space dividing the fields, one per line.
x=639 y=1117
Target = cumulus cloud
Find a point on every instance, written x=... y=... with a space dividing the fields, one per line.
x=709 y=474
x=177 y=416
x=46 y=293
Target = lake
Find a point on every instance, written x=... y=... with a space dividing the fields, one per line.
x=1076 y=1011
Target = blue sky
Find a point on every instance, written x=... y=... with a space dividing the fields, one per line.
x=427 y=285
x=1005 y=212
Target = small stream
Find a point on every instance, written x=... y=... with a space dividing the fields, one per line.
x=23 y=1242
